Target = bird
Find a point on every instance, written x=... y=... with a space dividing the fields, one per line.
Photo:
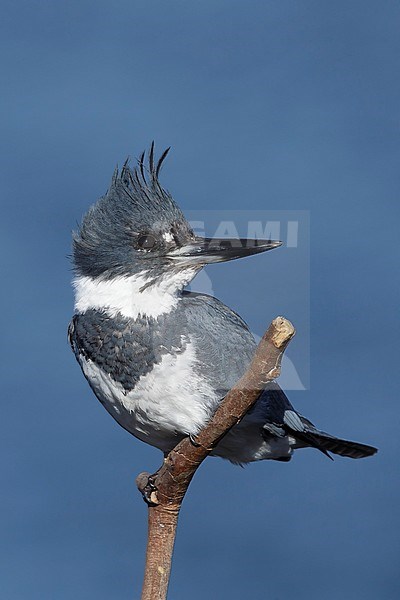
x=161 y=358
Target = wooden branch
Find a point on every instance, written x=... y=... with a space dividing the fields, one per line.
x=164 y=490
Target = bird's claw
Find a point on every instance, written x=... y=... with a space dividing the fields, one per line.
x=147 y=487
x=193 y=440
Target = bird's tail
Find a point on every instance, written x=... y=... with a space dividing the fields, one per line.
x=328 y=443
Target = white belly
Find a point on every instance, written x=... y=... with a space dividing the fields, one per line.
x=167 y=403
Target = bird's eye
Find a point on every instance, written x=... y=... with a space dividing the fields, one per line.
x=175 y=236
x=146 y=242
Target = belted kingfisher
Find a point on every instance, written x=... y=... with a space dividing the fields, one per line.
x=159 y=358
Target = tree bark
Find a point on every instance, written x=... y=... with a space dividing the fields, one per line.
x=164 y=490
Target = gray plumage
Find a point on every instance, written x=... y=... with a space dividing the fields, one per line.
x=160 y=359
x=107 y=241
x=124 y=348
x=128 y=349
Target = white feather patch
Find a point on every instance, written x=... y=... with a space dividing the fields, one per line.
x=169 y=400
x=129 y=296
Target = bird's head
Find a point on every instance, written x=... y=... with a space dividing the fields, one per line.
x=137 y=229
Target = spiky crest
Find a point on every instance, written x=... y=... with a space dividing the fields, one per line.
x=144 y=177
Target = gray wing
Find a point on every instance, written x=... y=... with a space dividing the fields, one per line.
x=223 y=341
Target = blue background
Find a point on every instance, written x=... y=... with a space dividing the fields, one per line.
x=268 y=105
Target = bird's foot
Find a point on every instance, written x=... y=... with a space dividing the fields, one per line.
x=146 y=484
x=193 y=440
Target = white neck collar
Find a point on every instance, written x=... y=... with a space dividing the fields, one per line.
x=129 y=296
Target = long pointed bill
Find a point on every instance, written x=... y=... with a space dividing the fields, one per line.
x=211 y=250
